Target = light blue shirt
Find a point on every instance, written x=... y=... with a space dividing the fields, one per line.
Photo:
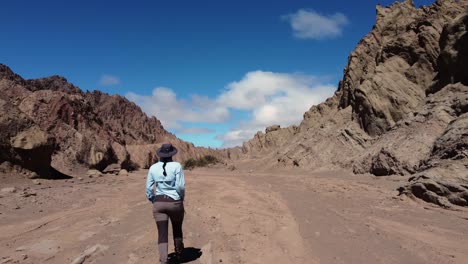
x=172 y=185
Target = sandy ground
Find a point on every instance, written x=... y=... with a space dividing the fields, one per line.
x=232 y=217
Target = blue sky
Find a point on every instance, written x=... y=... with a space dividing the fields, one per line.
x=214 y=72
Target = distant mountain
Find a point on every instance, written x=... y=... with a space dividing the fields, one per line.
x=51 y=127
x=401 y=107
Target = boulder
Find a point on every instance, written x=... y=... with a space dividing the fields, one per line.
x=112 y=169
x=22 y=142
x=93 y=173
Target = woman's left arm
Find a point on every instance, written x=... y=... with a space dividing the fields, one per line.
x=150 y=187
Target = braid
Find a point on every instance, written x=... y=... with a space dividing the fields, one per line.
x=165 y=161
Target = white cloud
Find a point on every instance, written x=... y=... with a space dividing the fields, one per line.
x=270 y=98
x=108 y=80
x=164 y=104
x=236 y=137
x=308 y=24
x=195 y=130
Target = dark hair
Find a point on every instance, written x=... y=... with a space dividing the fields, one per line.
x=165 y=160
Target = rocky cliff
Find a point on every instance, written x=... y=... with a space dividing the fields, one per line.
x=401 y=107
x=52 y=128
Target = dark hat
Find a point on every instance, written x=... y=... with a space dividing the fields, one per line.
x=166 y=151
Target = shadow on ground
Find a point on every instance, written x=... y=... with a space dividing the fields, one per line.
x=189 y=254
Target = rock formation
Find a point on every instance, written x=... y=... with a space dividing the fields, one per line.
x=51 y=127
x=401 y=107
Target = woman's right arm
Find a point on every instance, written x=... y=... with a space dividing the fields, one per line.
x=180 y=183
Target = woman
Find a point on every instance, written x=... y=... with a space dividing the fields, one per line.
x=168 y=202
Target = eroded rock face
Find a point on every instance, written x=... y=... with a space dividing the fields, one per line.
x=50 y=126
x=445 y=185
x=399 y=109
x=22 y=142
x=453 y=59
x=392 y=68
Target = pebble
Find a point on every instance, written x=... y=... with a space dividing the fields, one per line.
x=33 y=175
x=22 y=248
x=6 y=260
x=36 y=182
x=9 y=190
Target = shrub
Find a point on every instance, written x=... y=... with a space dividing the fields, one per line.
x=200 y=162
x=190 y=164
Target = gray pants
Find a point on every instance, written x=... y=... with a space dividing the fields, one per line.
x=163 y=210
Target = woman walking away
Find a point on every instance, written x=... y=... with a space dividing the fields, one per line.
x=168 y=203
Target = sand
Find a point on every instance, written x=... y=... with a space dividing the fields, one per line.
x=289 y=216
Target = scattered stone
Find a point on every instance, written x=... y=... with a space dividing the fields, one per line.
x=21 y=248
x=93 y=173
x=36 y=182
x=6 y=167
x=80 y=178
x=5 y=260
x=28 y=193
x=123 y=172
x=112 y=169
x=9 y=190
x=88 y=253
x=32 y=175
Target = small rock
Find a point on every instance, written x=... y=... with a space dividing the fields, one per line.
x=6 y=260
x=80 y=179
x=96 y=249
x=28 y=193
x=8 y=190
x=32 y=175
x=36 y=182
x=112 y=169
x=6 y=166
x=123 y=172
x=93 y=173
x=22 y=248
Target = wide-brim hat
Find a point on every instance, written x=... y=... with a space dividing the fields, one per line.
x=166 y=151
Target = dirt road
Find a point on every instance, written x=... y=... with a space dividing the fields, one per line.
x=232 y=217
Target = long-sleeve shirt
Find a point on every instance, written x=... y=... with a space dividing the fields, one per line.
x=172 y=185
